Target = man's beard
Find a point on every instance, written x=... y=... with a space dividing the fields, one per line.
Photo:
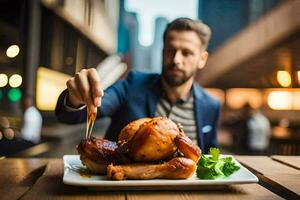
x=175 y=81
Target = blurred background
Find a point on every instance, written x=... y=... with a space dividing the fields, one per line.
x=253 y=68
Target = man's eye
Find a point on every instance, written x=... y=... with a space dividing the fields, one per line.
x=186 y=53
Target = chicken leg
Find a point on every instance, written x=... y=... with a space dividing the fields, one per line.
x=176 y=168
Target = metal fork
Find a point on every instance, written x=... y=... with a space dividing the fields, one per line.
x=91 y=117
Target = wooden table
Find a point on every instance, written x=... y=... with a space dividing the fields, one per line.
x=42 y=179
x=280 y=174
x=292 y=161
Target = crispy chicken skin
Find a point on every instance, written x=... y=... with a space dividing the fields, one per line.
x=97 y=153
x=153 y=141
x=130 y=129
x=188 y=148
x=147 y=148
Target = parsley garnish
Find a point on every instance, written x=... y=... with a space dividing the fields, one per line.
x=213 y=167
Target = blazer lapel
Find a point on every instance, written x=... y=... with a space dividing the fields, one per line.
x=199 y=113
x=152 y=96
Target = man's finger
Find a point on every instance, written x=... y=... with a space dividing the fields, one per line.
x=84 y=88
x=74 y=92
x=9 y=133
x=97 y=94
x=97 y=101
x=97 y=90
x=4 y=122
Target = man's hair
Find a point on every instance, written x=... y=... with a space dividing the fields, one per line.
x=187 y=24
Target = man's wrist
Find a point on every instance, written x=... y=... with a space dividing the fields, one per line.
x=69 y=107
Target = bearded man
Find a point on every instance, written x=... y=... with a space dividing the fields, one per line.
x=173 y=93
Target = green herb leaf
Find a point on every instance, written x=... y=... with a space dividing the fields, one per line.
x=211 y=167
x=215 y=152
x=229 y=168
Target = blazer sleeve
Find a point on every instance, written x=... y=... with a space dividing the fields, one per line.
x=65 y=116
x=113 y=98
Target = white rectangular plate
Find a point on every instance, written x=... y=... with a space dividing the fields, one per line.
x=73 y=176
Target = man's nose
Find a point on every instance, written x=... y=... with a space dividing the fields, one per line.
x=177 y=59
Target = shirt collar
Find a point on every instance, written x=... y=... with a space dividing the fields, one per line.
x=181 y=100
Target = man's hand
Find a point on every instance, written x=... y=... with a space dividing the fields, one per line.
x=85 y=88
x=5 y=129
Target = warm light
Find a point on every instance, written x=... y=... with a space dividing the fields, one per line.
x=3 y=80
x=15 y=80
x=50 y=84
x=284 y=78
x=283 y=99
x=236 y=98
x=296 y=101
x=217 y=94
x=280 y=100
x=12 y=51
x=298 y=75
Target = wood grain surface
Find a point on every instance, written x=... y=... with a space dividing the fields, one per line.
x=278 y=177
x=18 y=175
x=293 y=161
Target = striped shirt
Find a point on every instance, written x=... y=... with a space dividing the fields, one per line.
x=180 y=112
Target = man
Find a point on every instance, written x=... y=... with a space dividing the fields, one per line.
x=173 y=93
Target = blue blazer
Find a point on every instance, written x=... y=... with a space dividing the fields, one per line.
x=136 y=97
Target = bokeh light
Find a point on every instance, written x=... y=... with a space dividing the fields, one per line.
x=3 y=80
x=14 y=94
x=12 y=51
x=280 y=100
x=15 y=80
x=284 y=78
x=236 y=98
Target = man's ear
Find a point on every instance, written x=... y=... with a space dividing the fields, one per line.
x=203 y=59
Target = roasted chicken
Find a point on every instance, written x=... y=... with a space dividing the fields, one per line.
x=147 y=148
x=96 y=154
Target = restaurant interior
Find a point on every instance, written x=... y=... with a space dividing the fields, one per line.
x=253 y=70
x=253 y=67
